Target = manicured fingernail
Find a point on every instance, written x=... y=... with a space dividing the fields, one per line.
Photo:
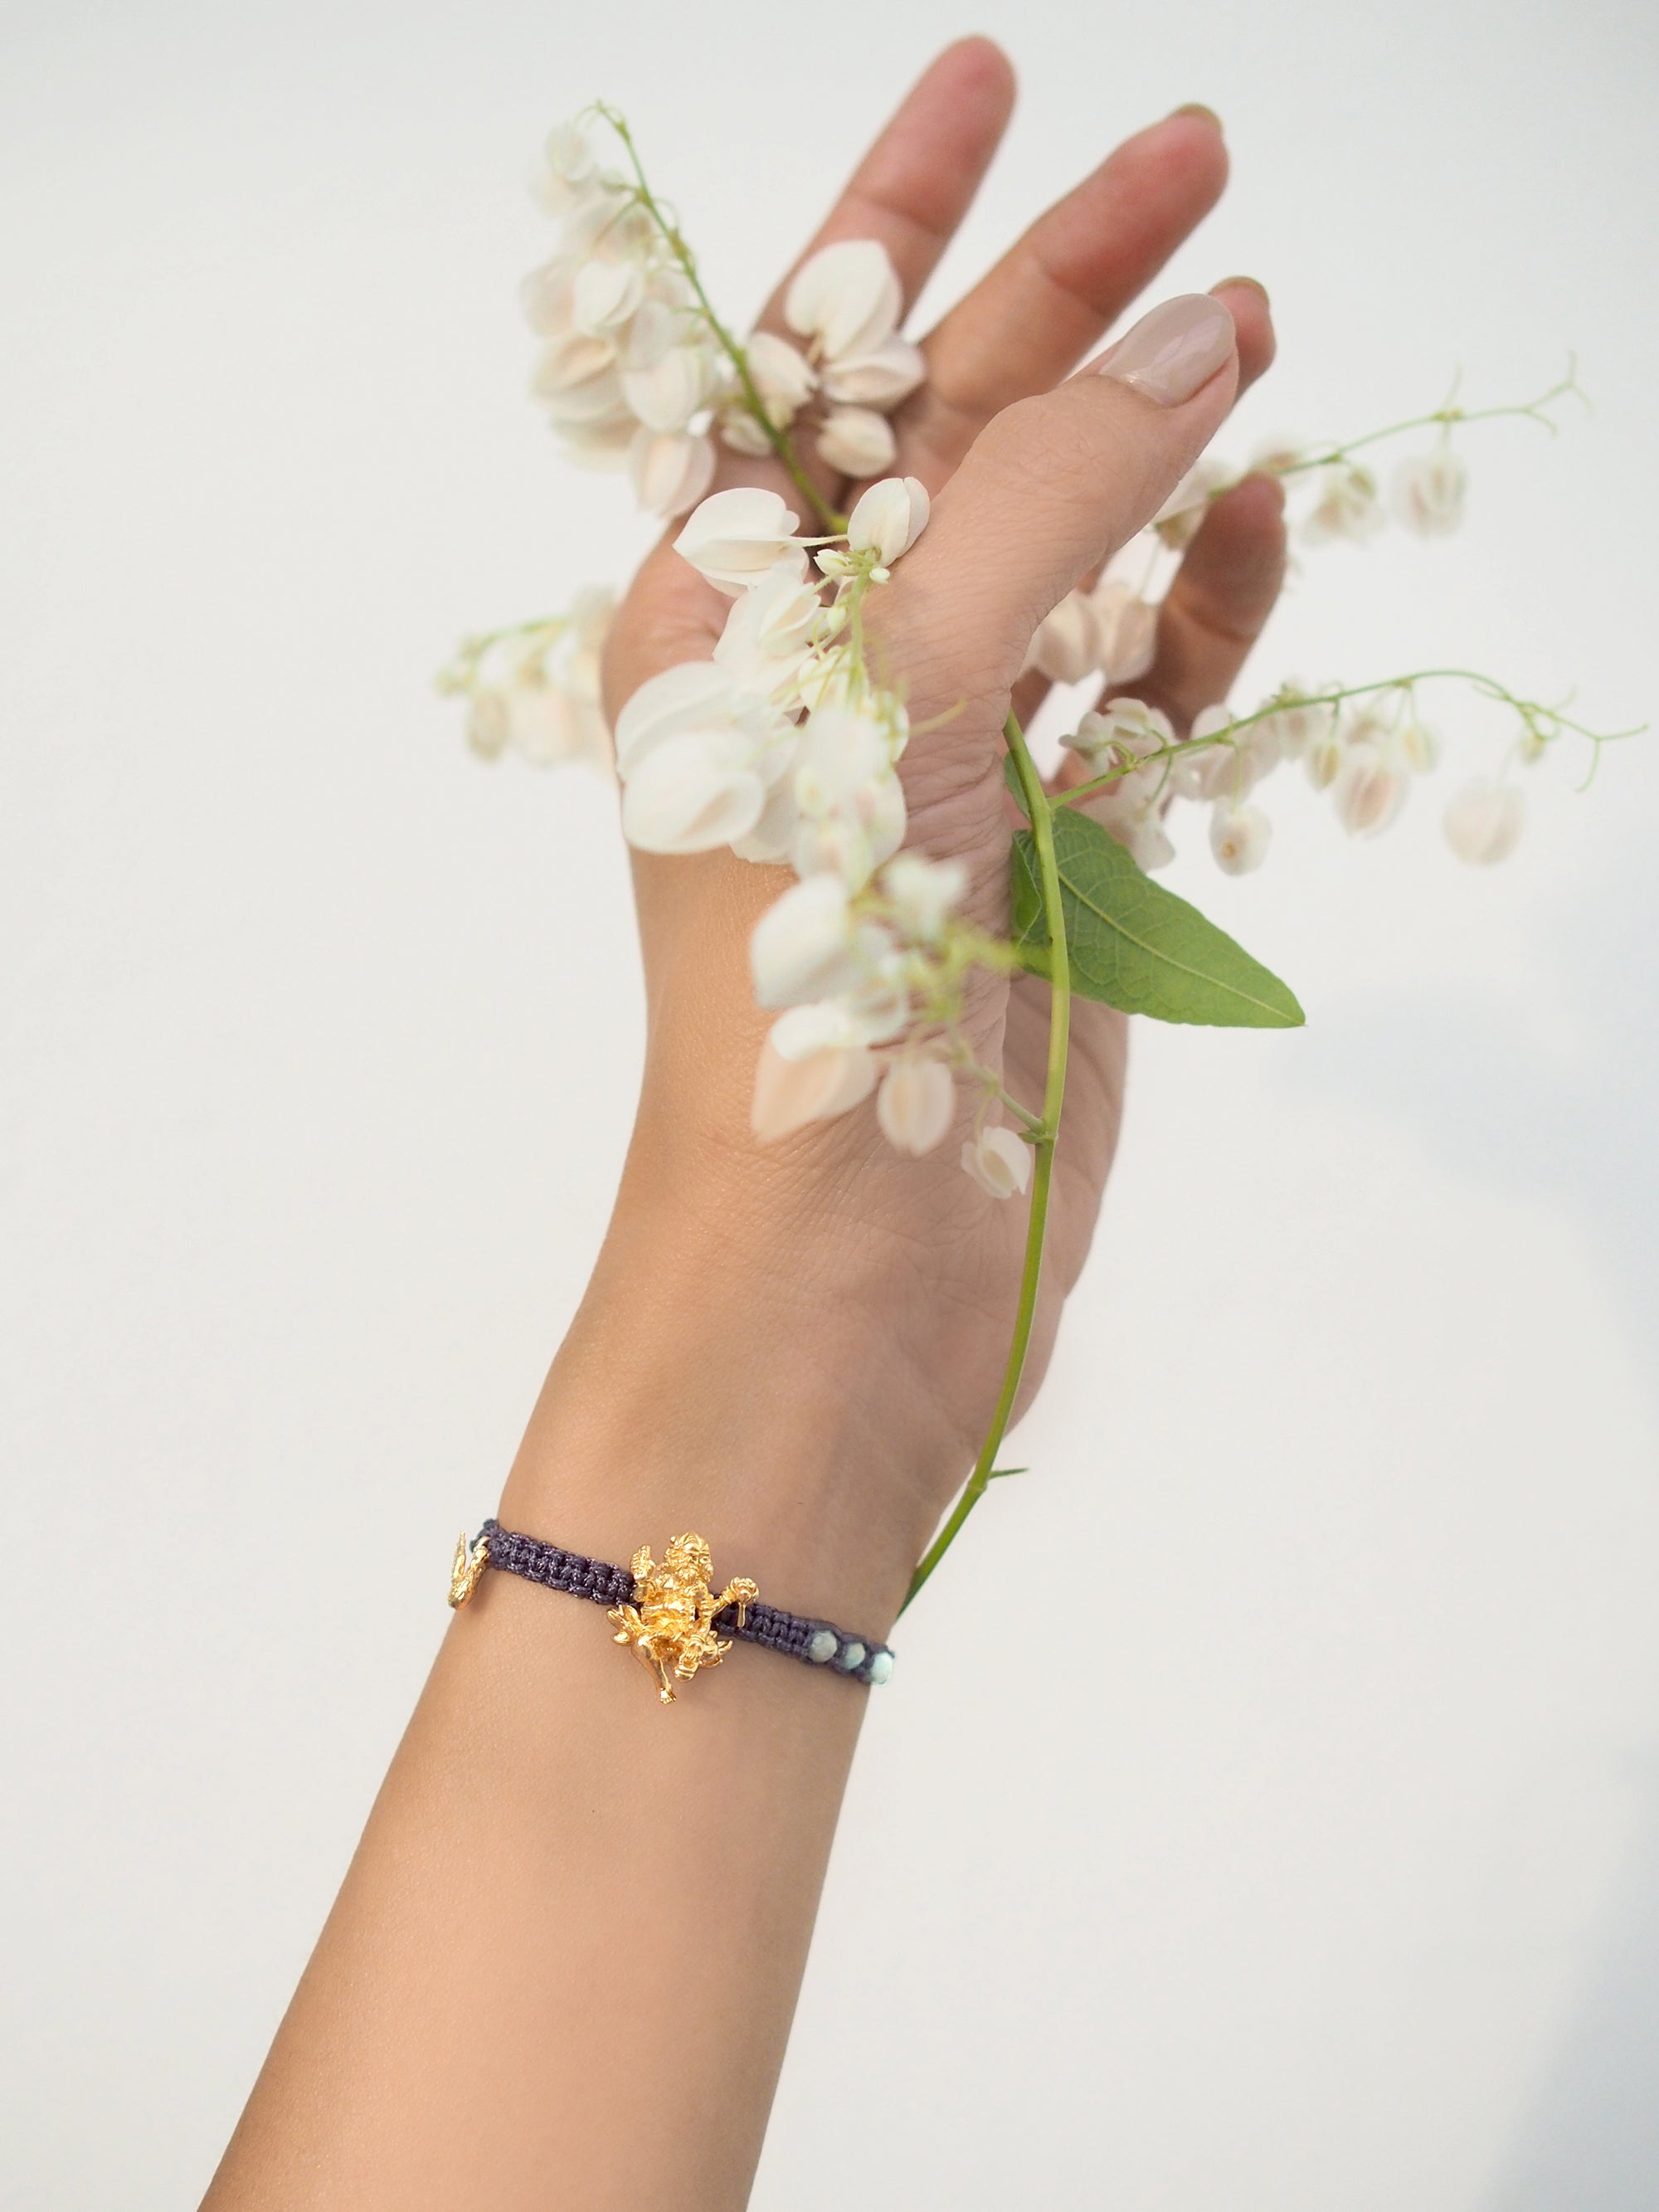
x=1173 y=350
x=1197 y=108
x=1253 y=283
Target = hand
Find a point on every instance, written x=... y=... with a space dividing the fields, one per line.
x=861 y=1296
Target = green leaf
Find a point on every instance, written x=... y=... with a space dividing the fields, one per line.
x=1135 y=945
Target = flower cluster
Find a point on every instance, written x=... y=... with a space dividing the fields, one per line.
x=845 y=302
x=636 y=372
x=786 y=748
x=534 y=688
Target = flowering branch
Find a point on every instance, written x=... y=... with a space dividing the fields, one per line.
x=785 y=745
x=779 y=440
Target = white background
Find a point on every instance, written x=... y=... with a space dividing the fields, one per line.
x=1266 y=1815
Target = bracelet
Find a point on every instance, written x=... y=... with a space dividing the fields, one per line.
x=670 y=1613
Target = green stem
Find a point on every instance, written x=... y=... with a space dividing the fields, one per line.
x=782 y=445
x=1447 y=415
x=1039 y=811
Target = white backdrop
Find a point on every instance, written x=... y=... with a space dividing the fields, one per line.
x=1294 y=1843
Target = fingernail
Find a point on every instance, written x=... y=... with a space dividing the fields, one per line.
x=1173 y=350
x=1253 y=283
x=1197 y=108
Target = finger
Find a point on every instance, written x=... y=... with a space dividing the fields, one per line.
x=913 y=188
x=1030 y=321
x=1050 y=487
x=1246 y=300
x=910 y=192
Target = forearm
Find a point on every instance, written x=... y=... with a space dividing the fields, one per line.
x=568 y=1951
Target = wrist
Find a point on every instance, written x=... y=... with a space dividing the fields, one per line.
x=776 y=1422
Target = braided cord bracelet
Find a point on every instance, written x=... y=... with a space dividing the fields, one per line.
x=670 y=1613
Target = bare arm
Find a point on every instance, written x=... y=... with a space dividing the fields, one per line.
x=565 y=1954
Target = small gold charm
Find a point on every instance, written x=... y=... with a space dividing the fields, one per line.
x=469 y=1562
x=670 y=1623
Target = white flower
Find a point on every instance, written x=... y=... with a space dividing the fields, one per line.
x=1370 y=789
x=691 y=695
x=1239 y=837
x=1347 y=506
x=742 y=433
x=576 y=379
x=790 y=1093
x=1065 y=646
x=1299 y=721
x=857 y=440
x=846 y=298
x=1483 y=822
x=770 y=628
x=998 y=1163
x=1124 y=730
x=782 y=375
x=569 y=153
x=1419 y=748
x=1428 y=492
x=736 y=536
x=1127 y=626
x=668 y=392
x=889 y=519
x=692 y=794
x=801 y=948
x=881 y=378
x=853 y=838
x=488 y=723
x=923 y=893
x=917 y=1103
x=605 y=294
x=671 y=469
x=1147 y=839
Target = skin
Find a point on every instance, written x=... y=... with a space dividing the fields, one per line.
x=566 y=1952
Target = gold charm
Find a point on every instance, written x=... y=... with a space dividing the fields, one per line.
x=670 y=1623
x=469 y=1562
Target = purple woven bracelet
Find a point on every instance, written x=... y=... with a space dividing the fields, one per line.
x=815 y=1642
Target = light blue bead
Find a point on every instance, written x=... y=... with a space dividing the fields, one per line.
x=881 y=1667
x=850 y=1656
x=821 y=1645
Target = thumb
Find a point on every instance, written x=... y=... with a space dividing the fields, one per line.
x=1057 y=484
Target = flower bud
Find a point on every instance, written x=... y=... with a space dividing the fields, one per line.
x=889 y=519
x=770 y=627
x=1239 y=837
x=1128 y=630
x=782 y=375
x=917 y=1103
x=997 y=1162
x=1369 y=790
x=923 y=893
x=671 y=469
x=743 y=434
x=488 y=723
x=1419 y=748
x=1428 y=490
x=1323 y=760
x=790 y=1093
x=879 y=378
x=857 y=440
x=845 y=297
x=1347 y=506
x=802 y=945
x=1066 y=647
x=736 y=536
x=1483 y=821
